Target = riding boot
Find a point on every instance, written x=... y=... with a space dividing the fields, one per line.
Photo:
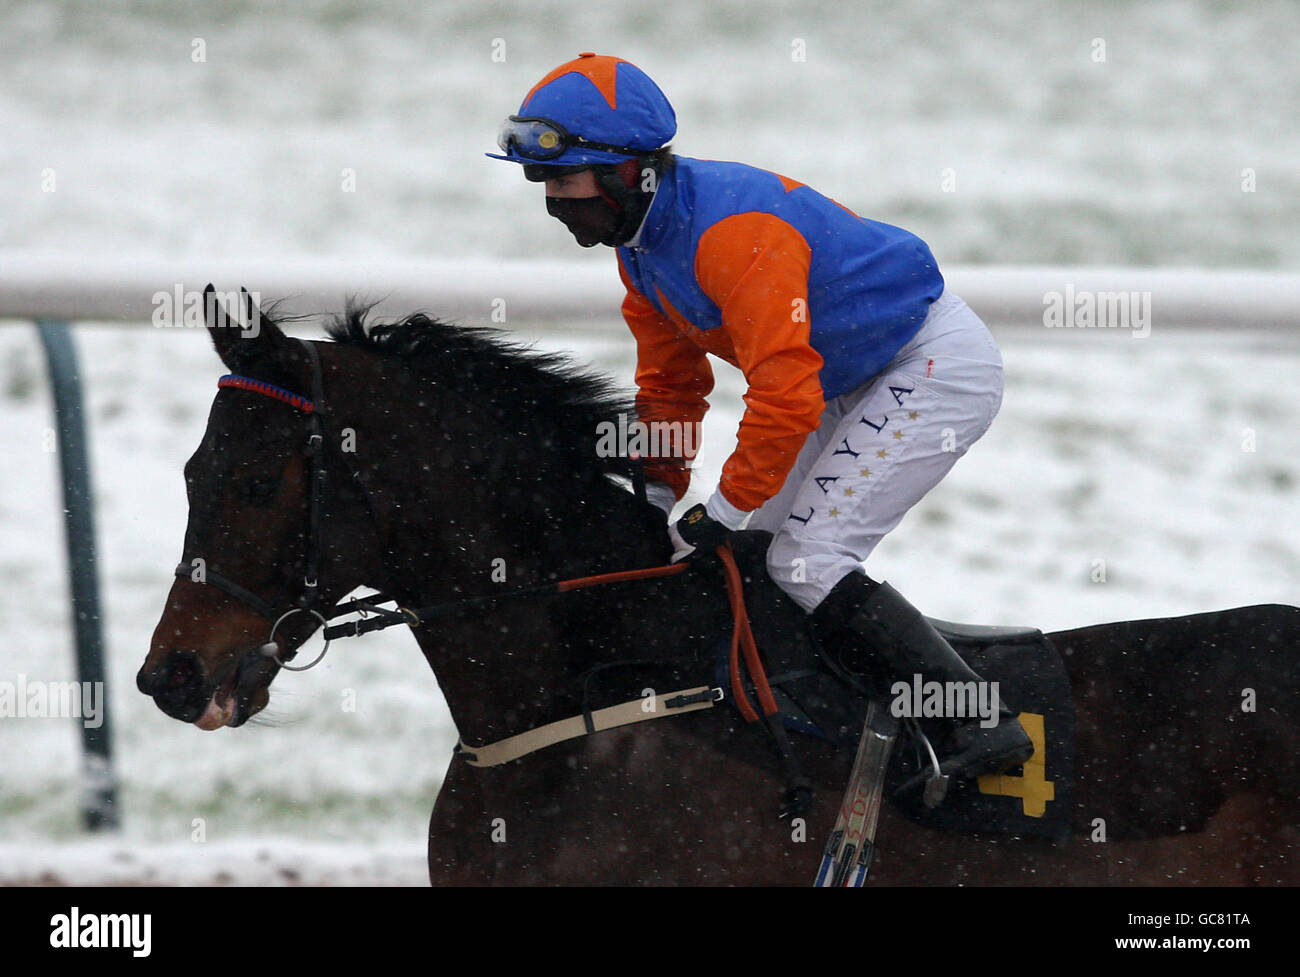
x=860 y=618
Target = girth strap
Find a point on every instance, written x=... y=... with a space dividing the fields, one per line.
x=624 y=714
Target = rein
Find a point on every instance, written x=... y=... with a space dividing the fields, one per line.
x=798 y=792
x=375 y=617
x=314 y=409
x=387 y=618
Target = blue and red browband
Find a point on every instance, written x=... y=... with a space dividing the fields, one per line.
x=268 y=390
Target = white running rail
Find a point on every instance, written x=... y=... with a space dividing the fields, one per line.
x=524 y=293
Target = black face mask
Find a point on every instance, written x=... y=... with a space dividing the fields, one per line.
x=590 y=219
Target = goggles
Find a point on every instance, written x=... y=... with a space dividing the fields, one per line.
x=542 y=139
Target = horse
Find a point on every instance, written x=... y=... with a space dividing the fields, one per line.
x=445 y=464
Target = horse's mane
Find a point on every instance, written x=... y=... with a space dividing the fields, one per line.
x=539 y=394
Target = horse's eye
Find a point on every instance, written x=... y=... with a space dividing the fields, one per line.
x=258 y=489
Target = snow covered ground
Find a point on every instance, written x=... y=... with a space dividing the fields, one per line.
x=991 y=129
x=1133 y=452
x=1007 y=131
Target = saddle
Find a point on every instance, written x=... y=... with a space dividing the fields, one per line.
x=817 y=701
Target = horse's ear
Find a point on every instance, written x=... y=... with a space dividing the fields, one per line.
x=255 y=341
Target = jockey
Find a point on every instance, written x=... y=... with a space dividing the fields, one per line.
x=866 y=379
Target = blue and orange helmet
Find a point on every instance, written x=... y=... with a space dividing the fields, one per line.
x=595 y=109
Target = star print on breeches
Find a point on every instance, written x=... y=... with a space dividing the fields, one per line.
x=853 y=447
x=879 y=450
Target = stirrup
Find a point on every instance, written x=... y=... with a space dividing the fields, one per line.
x=970 y=763
x=936 y=781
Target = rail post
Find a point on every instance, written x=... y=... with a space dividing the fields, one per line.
x=99 y=788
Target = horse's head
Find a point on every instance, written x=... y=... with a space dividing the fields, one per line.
x=254 y=535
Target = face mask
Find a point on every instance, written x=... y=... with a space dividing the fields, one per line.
x=589 y=219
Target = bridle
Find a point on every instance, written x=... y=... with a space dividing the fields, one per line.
x=314 y=411
x=374 y=617
x=798 y=791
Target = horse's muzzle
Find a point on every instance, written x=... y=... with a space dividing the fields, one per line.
x=176 y=686
x=183 y=690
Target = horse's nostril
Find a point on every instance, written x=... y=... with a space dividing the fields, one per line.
x=176 y=686
x=176 y=670
x=180 y=674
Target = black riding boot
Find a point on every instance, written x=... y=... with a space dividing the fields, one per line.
x=861 y=619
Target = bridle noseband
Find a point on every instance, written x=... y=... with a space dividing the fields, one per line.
x=314 y=409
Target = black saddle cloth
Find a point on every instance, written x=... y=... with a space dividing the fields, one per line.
x=1033 y=800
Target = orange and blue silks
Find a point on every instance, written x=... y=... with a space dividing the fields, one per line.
x=806 y=298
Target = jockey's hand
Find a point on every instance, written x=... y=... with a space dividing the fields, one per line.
x=681 y=548
x=700 y=530
x=664 y=497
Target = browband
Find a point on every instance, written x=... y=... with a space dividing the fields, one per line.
x=268 y=390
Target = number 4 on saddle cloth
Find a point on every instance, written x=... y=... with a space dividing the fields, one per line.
x=1021 y=663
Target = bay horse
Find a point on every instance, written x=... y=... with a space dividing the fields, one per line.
x=460 y=464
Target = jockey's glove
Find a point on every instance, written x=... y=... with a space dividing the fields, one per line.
x=681 y=548
x=662 y=496
x=699 y=529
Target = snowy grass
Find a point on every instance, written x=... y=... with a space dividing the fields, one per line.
x=1108 y=448
x=990 y=129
